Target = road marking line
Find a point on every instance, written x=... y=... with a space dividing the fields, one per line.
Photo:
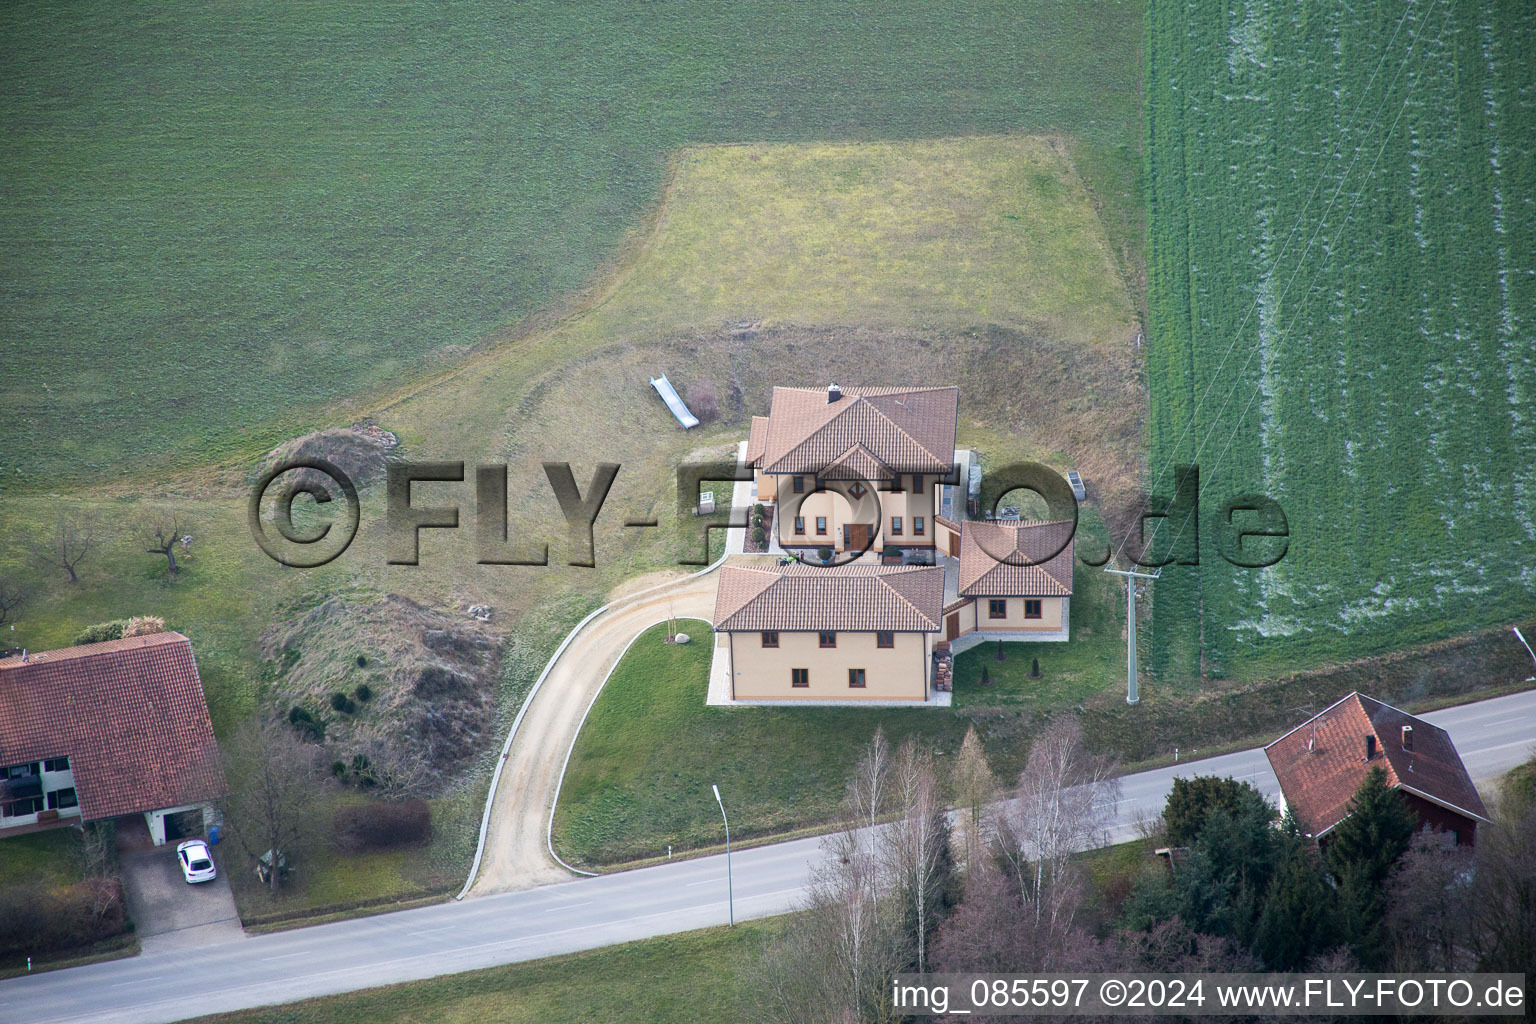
x=569 y=906
x=138 y=981
x=284 y=956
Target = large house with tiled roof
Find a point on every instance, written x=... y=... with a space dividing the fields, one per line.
x=1012 y=581
x=883 y=576
x=852 y=632
x=107 y=730
x=822 y=453
x=1322 y=762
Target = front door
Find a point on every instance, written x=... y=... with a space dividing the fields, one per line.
x=856 y=537
x=952 y=626
x=954 y=545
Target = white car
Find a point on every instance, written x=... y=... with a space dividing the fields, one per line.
x=196 y=862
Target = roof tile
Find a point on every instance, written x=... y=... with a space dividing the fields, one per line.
x=129 y=714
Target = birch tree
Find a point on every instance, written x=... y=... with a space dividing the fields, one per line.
x=1063 y=800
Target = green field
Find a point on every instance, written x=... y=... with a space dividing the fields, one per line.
x=219 y=219
x=1342 y=273
x=694 y=978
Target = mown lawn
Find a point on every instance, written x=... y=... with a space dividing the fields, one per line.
x=640 y=774
x=43 y=858
x=1070 y=672
x=692 y=978
x=221 y=218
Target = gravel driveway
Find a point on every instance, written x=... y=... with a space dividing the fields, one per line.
x=168 y=913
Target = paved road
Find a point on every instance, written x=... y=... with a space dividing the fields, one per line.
x=1493 y=736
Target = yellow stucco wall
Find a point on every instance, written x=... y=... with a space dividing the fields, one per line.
x=834 y=502
x=897 y=673
x=1049 y=621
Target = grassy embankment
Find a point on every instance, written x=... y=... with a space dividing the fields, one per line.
x=692 y=978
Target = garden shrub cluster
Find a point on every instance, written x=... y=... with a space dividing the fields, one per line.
x=381 y=825
x=36 y=919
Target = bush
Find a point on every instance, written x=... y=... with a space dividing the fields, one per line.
x=364 y=692
x=102 y=632
x=825 y=554
x=307 y=724
x=362 y=661
x=339 y=769
x=341 y=702
x=703 y=402
x=758 y=536
x=36 y=920
x=382 y=825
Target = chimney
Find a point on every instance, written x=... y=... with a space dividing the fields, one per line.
x=1370 y=745
x=1407 y=737
x=834 y=393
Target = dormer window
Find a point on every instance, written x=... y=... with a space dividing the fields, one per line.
x=857 y=491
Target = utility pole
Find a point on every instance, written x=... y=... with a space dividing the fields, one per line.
x=1518 y=635
x=1132 y=695
x=730 y=892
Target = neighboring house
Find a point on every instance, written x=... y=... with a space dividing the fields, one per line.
x=819 y=453
x=848 y=632
x=1323 y=761
x=1010 y=580
x=106 y=730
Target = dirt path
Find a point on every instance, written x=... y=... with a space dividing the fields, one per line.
x=516 y=853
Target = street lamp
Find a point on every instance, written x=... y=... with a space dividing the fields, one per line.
x=1521 y=637
x=730 y=892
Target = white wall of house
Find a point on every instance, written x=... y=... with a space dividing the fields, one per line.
x=156 y=820
x=56 y=799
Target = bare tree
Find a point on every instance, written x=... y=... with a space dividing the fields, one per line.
x=868 y=798
x=12 y=598
x=1504 y=891
x=835 y=960
x=1429 y=906
x=274 y=785
x=1064 y=799
x=69 y=542
x=162 y=531
x=974 y=788
x=915 y=843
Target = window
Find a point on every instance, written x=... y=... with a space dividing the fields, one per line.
x=19 y=771
x=800 y=677
x=799 y=485
x=60 y=799
x=858 y=490
x=895 y=526
x=885 y=639
x=917 y=526
x=997 y=608
x=1031 y=608
x=770 y=638
x=799 y=524
x=821 y=526
x=917 y=484
x=856 y=678
x=56 y=764
x=18 y=808
x=827 y=639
